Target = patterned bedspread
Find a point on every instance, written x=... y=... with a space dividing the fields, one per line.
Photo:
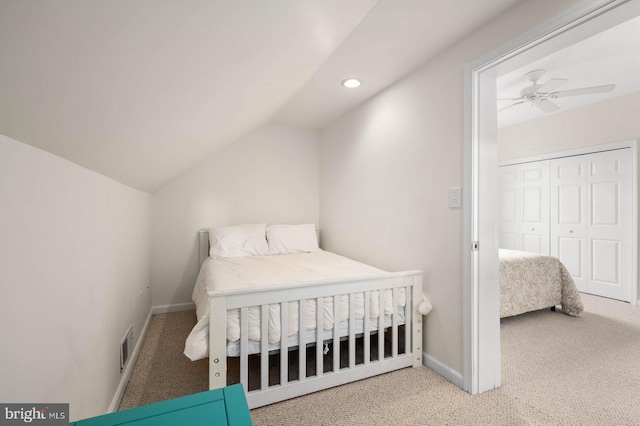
x=529 y=281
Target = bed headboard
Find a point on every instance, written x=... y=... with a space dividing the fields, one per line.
x=203 y=241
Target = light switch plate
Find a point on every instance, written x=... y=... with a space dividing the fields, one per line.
x=455 y=197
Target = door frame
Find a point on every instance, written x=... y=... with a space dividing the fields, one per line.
x=481 y=319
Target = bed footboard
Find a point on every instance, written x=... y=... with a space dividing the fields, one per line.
x=362 y=349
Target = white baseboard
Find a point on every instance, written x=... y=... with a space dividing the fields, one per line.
x=443 y=370
x=115 y=402
x=178 y=307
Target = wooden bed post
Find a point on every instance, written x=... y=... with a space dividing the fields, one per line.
x=417 y=321
x=217 y=341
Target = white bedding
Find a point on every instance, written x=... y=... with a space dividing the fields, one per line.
x=253 y=347
x=253 y=272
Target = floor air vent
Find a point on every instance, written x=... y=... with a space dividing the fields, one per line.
x=125 y=348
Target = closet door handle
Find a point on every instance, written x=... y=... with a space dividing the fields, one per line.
x=571 y=231
x=533 y=229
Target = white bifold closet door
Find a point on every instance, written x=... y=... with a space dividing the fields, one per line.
x=524 y=207
x=591 y=214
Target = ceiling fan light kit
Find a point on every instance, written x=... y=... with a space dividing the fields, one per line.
x=540 y=95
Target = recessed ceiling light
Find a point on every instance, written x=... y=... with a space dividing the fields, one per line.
x=351 y=83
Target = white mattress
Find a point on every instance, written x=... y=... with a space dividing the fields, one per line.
x=255 y=272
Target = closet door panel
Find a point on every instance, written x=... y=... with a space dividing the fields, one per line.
x=605 y=262
x=533 y=244
x=591 y=216
x=510 y=208
x=609 y=197
x=605 y=204
x=571 y=250
x=568 y=221
x=534 y=190
x=570 y=204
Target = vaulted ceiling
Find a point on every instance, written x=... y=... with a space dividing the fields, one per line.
x=144 y=90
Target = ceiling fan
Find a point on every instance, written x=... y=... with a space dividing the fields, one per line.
x=540 y=95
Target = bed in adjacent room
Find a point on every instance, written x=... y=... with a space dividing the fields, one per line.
x=261 y=293
x=530 y=281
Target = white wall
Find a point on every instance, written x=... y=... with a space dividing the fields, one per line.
x=611 y=120
x=75 y=255
x=386 y=168
x=271 y=176
x=607 y=121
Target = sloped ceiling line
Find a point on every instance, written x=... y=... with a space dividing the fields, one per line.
x=143 y=91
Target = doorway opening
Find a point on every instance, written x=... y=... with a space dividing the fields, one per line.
x=481 y=344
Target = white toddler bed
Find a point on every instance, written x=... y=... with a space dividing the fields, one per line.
x=244 y=303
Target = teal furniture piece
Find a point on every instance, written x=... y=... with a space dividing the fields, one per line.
x=218 y=407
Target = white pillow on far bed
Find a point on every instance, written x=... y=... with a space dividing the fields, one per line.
x=288 y=239
x=238 y=241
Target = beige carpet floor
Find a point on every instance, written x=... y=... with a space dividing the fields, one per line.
x=556 y=370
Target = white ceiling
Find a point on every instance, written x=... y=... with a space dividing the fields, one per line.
x=610 y=57
x=396 y=37
x=144 y=90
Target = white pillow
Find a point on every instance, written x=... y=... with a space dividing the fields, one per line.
x=287 y=239
x=237 y=241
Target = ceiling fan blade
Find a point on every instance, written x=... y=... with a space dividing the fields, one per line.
x=547 y=106
x=552 y=85
x=583 y=91
x=509 y=106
